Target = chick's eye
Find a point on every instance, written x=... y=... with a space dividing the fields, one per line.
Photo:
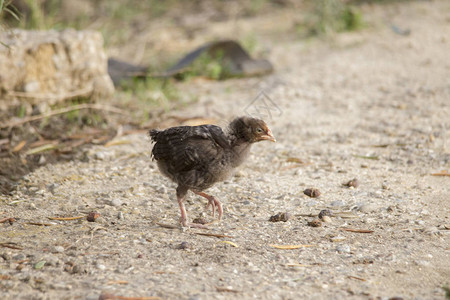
x=259 y=130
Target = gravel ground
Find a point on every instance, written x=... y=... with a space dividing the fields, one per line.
x=372 y=105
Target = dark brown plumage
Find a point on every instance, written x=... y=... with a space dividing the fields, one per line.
x=196 y=157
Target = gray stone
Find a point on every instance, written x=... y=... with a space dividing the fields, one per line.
x=367 y=208
x=19 y=256
x=337 y=203
x=115 y=202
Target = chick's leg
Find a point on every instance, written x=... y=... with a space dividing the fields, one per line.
x=214 y=202
x=181 y=195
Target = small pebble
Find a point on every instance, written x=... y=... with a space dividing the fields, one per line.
x=315 y=223
x=6 y=256
x=432 y=230
x=183 y=246
x=423 y=263
x=20 y=267
x=280 y=217
x=312 y=192
x=338 y=238
x=120 y=215
x=51 y=187
x=240 y=173
x=337 y=203
x=161 y=190
x=325 y=213
x=32 y=87
x=92 y=216
x=200 y=220
x=311 y=203
x=60 y=286
x=51 y=260
x=343 y=248
x=79 y=269
x=326 y=219
x=367 y=208
x=115 y=202
x=354 y=183
x=19 y=256
x=99 y=155
x=59 y=249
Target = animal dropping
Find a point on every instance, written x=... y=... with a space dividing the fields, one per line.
x=312 y=192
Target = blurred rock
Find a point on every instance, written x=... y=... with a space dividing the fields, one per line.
x=52 y=65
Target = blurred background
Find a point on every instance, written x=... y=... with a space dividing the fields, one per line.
x=156 y=34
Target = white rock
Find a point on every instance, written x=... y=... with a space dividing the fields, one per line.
x=59 y=249
x=344 y=248
x=116 y=202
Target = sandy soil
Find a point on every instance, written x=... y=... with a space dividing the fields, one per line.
x=372 y=105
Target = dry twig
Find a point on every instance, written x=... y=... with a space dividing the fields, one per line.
x=225 y=289
x=117 y=282
x=357 y=230
x=19 y=146
x=441 y=173
x=10 y=220
x=230 y=243
x=169 y=226
x=39 y=224
x=357 y=278
x=213 y=234
x=290 y=247
x=57 y=97
x=11 y=246
x=63 y=111
x=106 y=296
x=65 y=218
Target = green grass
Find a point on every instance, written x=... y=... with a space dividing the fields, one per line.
x=213 y=66
x=36 y=18
x=250 y=43
x=114 y=16
x=21 y=111
x=142 y=96
x=7 y=9
x=447 y=292
x=327 y=17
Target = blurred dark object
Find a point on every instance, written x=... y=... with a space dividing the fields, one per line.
x=280 y=217
x=401 y=31
x=232 y=57
x=237 y=61
x=120 y=70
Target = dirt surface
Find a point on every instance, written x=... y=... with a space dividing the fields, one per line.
x=372 y=105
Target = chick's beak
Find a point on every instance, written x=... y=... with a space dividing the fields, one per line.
x=268 y=136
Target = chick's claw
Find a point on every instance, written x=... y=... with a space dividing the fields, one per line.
x=214 y=202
